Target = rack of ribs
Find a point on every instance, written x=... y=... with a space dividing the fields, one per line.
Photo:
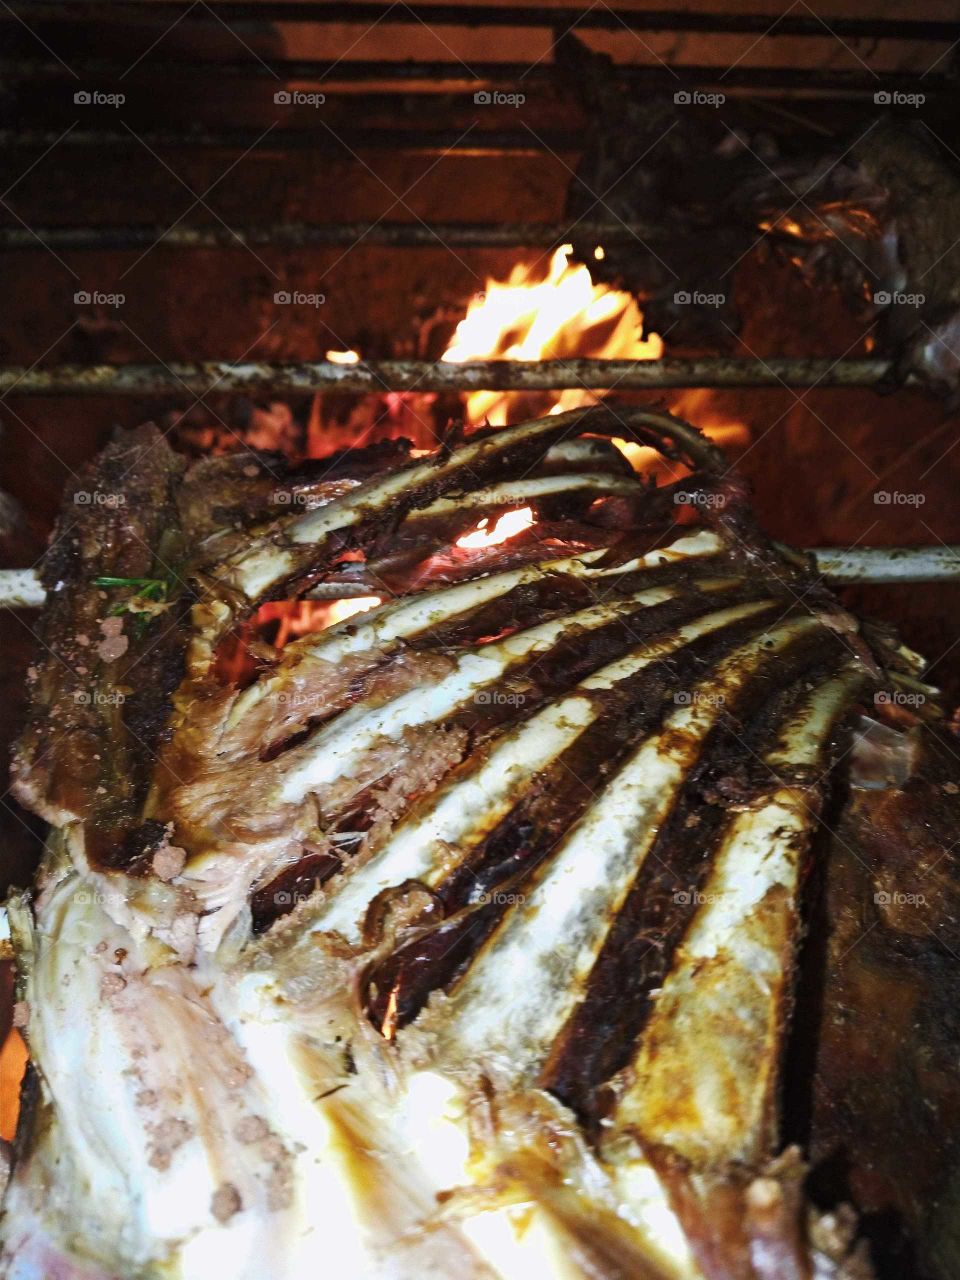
x=460 y=938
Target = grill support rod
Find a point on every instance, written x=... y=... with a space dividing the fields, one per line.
x=878 y=565
x=442 y=76
x=365 y=13
x=840 y=566
x=485 y=142
x=395 y=235
x=222 y=377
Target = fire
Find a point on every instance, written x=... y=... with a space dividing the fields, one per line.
x=389 y=1027
x=343 y=357
x=508 y=526
x=303 y=617
x=340 y=610
x=235 y=660
x=559 y=313
x=699 y=407
x=547 y=315
x=13 y=1062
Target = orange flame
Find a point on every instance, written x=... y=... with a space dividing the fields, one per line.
x=388 y=1028
x=700 y=407
x=508 y=526
x=13 y=1063
x=557 y=313
x=303 y=617
x=547 y=315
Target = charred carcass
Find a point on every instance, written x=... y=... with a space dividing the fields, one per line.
x=459 y=939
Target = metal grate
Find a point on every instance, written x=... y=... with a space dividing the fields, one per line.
x=428 y=77
x=601 y=18
x=400 y=83
x=254 y=377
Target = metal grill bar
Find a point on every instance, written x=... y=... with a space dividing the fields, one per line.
x=841 y=566
x=221 y=377
x=867 y=565
x=599 y=18
x=486 y=142
x=395 y=235
x=804 y=80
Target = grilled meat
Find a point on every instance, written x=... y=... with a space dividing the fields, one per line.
x=461 y=940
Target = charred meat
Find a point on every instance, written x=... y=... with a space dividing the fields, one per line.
x=460 y=938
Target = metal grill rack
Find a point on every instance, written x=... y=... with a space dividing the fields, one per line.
x=397 y=83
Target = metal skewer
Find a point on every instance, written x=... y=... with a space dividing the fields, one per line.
x=841 y=566
x=250 y=377
x=874 y=565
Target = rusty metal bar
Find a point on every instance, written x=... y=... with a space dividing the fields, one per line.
x=252 y=378
x=603 y=18
x=472 y=142
x=395 y=235
x=866 y=565
x=21 y=589
x=804 y=80
x=841 y=566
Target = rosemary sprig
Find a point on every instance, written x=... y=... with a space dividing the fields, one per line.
x=156 y=589
x=154 y=583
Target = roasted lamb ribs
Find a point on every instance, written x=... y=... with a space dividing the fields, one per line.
x=462 y=938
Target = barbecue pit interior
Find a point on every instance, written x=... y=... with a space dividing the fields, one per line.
x=349 y=206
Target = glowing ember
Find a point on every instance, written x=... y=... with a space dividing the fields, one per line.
x=546 y=309
x=559 y=314
x=700 y=406
x=508 y=526
x=388 y=1028
x=13 y=1062
x=696 y=406
x=304 y=617
x=296 y=618
x=340 y=610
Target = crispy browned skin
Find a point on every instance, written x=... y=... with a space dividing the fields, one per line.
x=882 y=1117
x=85 y=751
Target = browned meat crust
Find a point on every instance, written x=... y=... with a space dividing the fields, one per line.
x=271 y=800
